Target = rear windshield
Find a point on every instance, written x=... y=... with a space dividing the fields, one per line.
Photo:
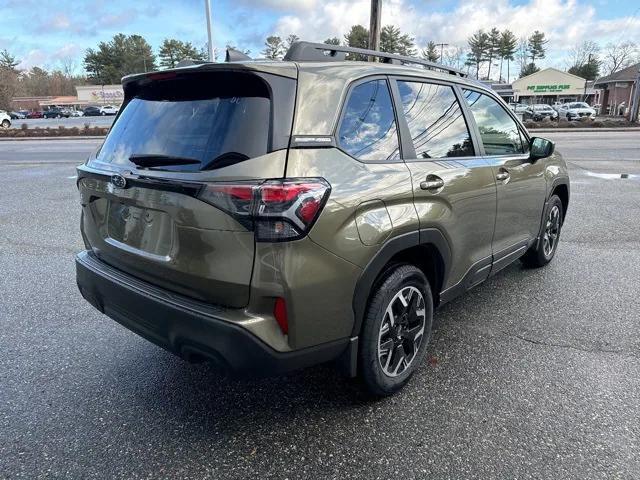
x=216 y=120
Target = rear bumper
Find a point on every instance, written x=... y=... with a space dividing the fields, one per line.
x=187 y=328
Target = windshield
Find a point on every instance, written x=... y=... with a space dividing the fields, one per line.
x=580 y=105
x=175 y=121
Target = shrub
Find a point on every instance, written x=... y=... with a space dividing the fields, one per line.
x=24 y=126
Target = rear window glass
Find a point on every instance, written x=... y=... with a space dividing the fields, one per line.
x=216 y=123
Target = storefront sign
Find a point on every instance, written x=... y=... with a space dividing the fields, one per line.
x=107 y=96
x=548 y=88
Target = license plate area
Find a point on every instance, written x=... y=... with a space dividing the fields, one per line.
x=144 y=229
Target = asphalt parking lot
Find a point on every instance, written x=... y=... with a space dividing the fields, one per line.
x=534 y=374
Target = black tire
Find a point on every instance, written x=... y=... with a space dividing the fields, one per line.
x=403 y=280
x=6 y=124
x=543 y=252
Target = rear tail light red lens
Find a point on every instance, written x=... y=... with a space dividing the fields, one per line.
x=277 y=210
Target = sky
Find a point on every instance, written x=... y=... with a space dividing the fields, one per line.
x=49 y=32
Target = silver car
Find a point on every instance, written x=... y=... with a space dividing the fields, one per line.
x=576 y=110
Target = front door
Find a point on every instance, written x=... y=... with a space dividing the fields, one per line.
x=521 y=185
x=454 y=188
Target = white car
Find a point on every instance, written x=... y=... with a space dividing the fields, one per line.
x=76 y=113
x=576 y=110
x=5 y=119
x=108 y=110
x=540 y=111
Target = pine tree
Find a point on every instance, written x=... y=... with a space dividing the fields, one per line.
x=478 y=50
x=536 y=46
x=274 y=47
x=392 y=40
x=430 y=52
x=493 y=49
x=508 y=47
x=358 y=37
x=172 y=51
x=332 y=41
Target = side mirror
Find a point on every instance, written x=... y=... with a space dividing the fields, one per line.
x=540 y=148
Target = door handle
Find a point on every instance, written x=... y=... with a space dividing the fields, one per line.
x=503 y=175
x=432 y=182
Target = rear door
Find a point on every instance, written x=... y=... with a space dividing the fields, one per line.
x=521 y=185
x=154 y=199
x=454 y=187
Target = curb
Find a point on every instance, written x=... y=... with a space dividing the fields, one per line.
x=24 y=139
x=592 y=129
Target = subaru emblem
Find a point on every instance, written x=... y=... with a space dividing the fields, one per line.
x=118 y=181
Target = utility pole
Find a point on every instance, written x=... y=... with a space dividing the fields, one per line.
x=635 y=102
x=441 y=45
x=374 y=26
x=207 y=7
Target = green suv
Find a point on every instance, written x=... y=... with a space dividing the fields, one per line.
x=269 y=216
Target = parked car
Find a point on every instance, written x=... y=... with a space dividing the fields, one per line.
x=5 y=119
x=519 y=107
x=35 y=114
x=17 y=115
x=245 y=216
x=575 y=110
x=56 y=112
x=108 y=110
x=539 y=112
x=91 y=111
x=76 y=113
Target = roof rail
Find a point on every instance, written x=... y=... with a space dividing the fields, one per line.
x=323 y=52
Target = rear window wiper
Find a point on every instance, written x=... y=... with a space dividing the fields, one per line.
x=149 y=160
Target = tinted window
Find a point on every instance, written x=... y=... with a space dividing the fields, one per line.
x=368 y=129
x=436 y=123
x=191 y=118
x=498 y=131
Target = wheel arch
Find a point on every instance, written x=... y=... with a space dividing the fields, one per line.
x=427 y=249
x=561 y=188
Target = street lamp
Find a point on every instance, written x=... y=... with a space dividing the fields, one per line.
x=207 y=7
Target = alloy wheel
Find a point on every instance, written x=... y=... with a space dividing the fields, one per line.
x=551 y=231
x=401 y=331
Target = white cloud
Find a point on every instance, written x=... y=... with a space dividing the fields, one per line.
x=565 y=22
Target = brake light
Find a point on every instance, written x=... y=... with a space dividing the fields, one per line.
x=277 y=210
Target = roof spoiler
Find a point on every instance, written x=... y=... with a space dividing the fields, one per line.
x=324 y=52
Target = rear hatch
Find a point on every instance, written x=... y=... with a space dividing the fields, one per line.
x=148 y=206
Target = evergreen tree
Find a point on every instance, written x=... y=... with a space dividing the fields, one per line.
x=121 y=56
x=529 y=69
x=332 y=41
x=536 y=46
x=274 y=47
x=392 y=40
x=588 y=71
x=430 y=52
x=173 y=51
x=358 y=37
x=493 y=49
x=478 y=50
x=508 y=47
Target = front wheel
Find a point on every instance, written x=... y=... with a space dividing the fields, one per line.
x=396 y=330
x=6 y=124
x=543 y=251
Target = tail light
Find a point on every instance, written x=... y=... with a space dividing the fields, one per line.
x=277 y=210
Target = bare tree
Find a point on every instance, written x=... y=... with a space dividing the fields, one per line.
x=454 y=57
x=582 y=53
x=618 y=56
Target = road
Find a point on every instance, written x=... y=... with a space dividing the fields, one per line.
x=534 y=374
